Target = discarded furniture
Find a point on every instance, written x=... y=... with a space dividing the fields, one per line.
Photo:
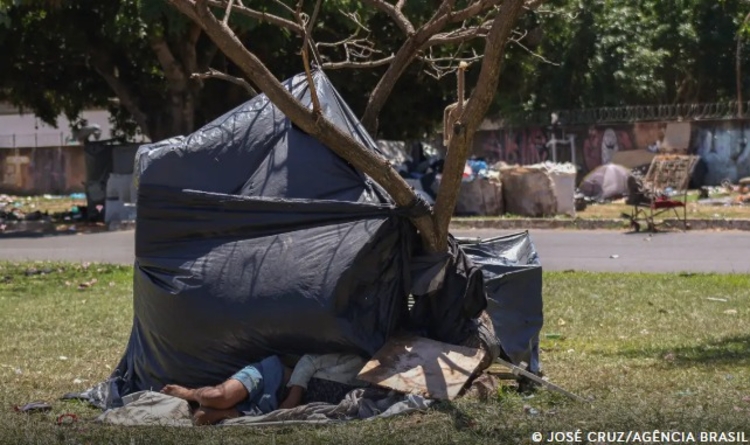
x=667 y=177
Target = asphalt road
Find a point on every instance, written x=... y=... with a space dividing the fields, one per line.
x=721 y=252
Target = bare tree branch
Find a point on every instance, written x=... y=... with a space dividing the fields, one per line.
x=474 y=9
x=317 y=126
x=533 y=53
x=459 y=36
x=228 y=11
x=314 y=17
x=404 y=56
x=394 y=12
x=288 y=8
x=439 y=67
x=360 y=52
x=216 y=74
x=252 y=13
x=305 y=61
x=364 y=64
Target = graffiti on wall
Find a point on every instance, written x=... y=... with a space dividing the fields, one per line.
x=531 y=145
x=601 y=144
x=514 y=146
x=724 y=148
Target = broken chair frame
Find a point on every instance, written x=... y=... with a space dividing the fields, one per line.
x=648 y=196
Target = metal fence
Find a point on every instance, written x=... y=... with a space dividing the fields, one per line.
x=36 y=140
x=631 y=114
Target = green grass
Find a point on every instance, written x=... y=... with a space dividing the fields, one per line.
x=652 y=351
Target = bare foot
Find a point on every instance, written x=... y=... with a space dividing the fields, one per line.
x=179 y=391
x=208 y=416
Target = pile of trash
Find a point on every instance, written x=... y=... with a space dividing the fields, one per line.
x=14 y=209
x=545 y=189
x=727 y=194
x=539 y=190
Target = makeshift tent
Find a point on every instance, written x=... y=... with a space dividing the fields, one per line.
x=252 y=239
x=513 y=280
x=607 y=181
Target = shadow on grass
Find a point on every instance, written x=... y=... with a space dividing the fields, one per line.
x=726 y=351
x=461 y=420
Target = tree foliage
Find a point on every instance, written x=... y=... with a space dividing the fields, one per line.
x=626 y=52
x=60 y=56
x=135 y=57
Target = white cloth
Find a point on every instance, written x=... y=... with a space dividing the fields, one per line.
x=339 y=368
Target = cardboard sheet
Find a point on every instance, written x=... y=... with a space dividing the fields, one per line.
x=416 y=365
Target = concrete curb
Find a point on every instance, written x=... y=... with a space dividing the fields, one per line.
x=590 y=224
x=40 y=228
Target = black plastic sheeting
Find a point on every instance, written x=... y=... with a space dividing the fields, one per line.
x=448 y=289
x=513 y=279
x=253 y=239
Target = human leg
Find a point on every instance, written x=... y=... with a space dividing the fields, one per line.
x=221 y=397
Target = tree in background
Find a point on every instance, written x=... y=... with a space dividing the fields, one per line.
x=136 y=58
x=597 y=53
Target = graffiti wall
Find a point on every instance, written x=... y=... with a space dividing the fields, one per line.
x=724 y=148
x=723 y=145
x=592 y=146
x=44 y=170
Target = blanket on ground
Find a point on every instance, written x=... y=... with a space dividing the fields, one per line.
x=153 y=408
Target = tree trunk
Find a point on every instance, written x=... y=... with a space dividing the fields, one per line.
x=471 y=118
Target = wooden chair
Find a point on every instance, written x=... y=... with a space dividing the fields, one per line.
x=649 y=196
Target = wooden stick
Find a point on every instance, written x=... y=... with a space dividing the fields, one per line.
x=517 y=371
x=461 y=87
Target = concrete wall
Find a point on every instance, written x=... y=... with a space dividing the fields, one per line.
x=43 y=170
x=721 y=144
x=26 y=130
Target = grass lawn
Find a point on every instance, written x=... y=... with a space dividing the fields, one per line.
x=697 y=211
x=652 y=351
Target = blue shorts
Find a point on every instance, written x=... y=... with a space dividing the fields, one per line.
x=263 y=381
x=252 y=380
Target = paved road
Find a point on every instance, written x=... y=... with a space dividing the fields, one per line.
x=722 y=252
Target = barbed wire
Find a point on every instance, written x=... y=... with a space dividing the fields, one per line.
x=631 y=114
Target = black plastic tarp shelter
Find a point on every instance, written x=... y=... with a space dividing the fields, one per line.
x=252 y=238
x=513 y=280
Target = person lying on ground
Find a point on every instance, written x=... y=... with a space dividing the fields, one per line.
x=254 y=390
x=323 y=378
